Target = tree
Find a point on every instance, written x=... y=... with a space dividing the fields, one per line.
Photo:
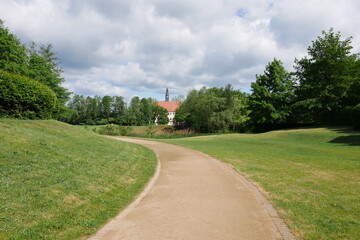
x=44 y=67
x=134 y=112
x=119 y=109
x=160 y=115
x=326 y=76
x=178 y=98
x=145 y=117
x=38 y=63
x=13 y=57
x=213 y=109
x=106 y=107
x=271 y=98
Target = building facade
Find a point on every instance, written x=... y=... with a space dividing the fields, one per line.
x=170 y=107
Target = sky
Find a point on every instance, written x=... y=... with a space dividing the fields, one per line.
x=142 y=47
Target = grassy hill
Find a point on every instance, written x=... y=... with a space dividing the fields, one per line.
x=62 y=182
x=312 y=176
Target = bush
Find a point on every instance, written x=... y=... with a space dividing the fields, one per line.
x=356 y=117
x=126 y=130
x=111 y=130
x=22 y=97
x=115 y=130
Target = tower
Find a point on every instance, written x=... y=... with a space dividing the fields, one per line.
x=167 y=95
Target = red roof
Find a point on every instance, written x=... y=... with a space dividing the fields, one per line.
x=169 y=106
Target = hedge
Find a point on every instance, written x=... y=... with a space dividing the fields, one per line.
x=22 y=97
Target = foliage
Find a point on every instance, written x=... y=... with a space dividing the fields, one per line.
x=13 y=57
x=36 y=62
x=271 y=98
x=115 y=130
x=22 y=97
x=310 y=175
x=160 y=115
x=213 y=109
x=62 y=182
x=179 y=98
x=43 y=67
x=326 y=76
x=96 y=111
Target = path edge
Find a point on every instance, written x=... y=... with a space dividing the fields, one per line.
x=269 y=208
x=103 y=230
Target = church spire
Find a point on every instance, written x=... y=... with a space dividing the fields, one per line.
x=167 y=95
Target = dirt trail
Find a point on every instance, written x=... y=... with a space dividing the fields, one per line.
x=196 y=197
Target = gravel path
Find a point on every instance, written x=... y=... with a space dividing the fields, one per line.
x=193 y=197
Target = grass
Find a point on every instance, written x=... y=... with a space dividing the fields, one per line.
x=62 y=182
x=312 y=176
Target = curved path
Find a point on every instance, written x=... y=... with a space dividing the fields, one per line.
x=195 y=197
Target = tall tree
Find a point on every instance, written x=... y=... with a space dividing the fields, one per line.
x=146 y=112
x=326 y=75
x=106 y=107
x=119 y=110
x=271 y=98
x=44 y=67
x=134 y=111
x=13 y=57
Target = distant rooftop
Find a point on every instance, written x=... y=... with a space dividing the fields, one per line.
x=169 y=106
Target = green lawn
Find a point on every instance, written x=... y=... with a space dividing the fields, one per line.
x=62 y=182
x=312 y=176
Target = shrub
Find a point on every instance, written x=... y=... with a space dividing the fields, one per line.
x=22 y=97
x=126 y=130
x=356 y=117
x=111 y=130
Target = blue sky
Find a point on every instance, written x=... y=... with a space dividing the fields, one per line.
x=140 y=47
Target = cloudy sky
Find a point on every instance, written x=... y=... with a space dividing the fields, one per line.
x=140 y=47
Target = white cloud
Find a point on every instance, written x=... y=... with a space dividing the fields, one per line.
x=133 y=47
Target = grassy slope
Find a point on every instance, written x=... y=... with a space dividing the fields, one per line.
x=61 y=182
x=311 y=175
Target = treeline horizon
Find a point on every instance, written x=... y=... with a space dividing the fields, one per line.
x=324 y=89
x=113 y=110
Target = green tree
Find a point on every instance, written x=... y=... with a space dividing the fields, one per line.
x=79 y=107
x=119 y=110
x=134 y=112
x=13 y=57
x=38 y=63
x=44 y=67
x=106 y=103
x=160 y=115
x=213 y=109
x=325 y=76
x=179 y=98
x=271 y=98
x=146 y=112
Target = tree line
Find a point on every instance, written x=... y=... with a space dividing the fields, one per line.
x=114 y=109
x=324 y=89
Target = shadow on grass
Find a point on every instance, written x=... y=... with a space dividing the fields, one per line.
x=352 y=138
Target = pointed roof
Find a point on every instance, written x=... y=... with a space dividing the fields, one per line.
x=169 y=106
